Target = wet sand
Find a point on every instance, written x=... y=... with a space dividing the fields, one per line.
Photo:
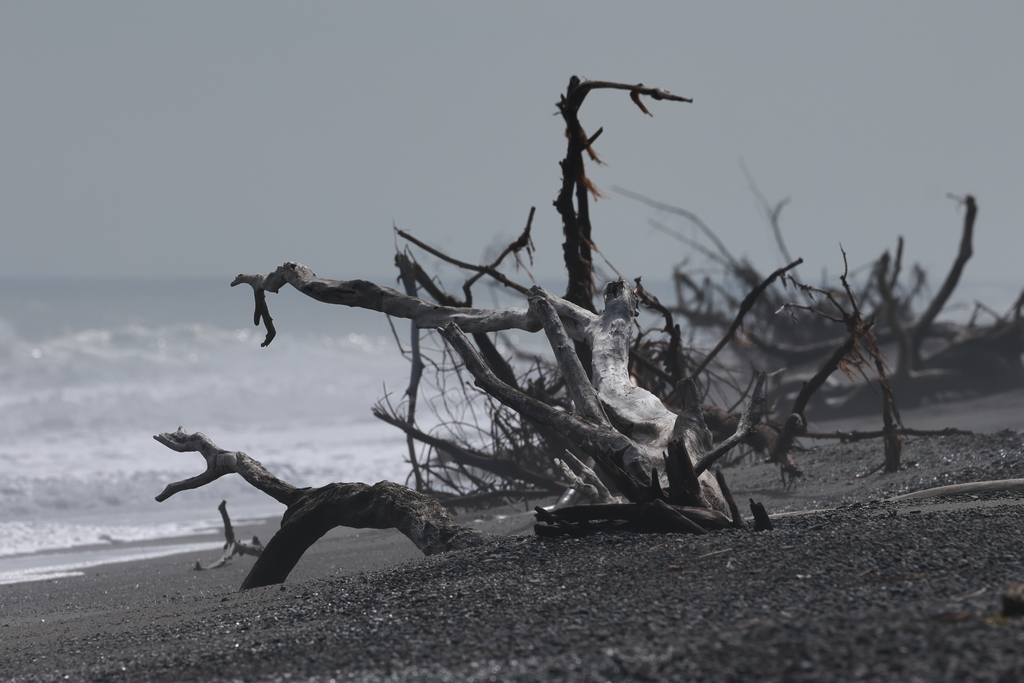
x=873 y=591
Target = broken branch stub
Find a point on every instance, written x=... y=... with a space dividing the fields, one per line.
x=232 y=546
x=744 y=428
x=587 y=483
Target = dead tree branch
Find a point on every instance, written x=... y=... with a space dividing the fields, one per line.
x=587 y=483
x=744 y=429
x=576 y=226
x=772 y=213
x=523 y=242
x=408 y=277
x=506 y=469
x=312 y=512
x=220 y=462
x=885 y=283
x=688 y=215
x=952 y=278
x=745 y=307
x=232 y=546
x=364 y=294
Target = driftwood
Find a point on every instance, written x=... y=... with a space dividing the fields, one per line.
x=625 y=428
x=521 y=443
x=934 y=360
x=633 y=438
x=630 y=434
x=620 y=440
x=745 y=306
x=970 y=488
x=232 y=546
x=312 y=512
x=657 y=512
x=957 y=361
x=975 y=360
x=860 y=349
x=629 y=416
x=507 y=469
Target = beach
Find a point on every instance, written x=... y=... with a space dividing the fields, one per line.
x=865 y=589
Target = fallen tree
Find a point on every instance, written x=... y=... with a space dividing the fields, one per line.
x=656 y=459
x=934 y=360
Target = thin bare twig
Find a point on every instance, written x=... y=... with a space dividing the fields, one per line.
x=688 y=215
x=935 y=307
x=745 y=307
x=487 y=270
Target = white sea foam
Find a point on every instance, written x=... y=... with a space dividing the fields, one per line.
x=33 y=536
x=59 y=566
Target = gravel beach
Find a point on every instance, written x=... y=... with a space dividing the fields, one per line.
x=906 y=591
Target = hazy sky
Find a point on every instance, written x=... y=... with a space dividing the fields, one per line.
x=205 y=139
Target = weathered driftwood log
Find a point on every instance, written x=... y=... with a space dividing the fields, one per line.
x=312 y=512
x=656 y=458
x=972 y=488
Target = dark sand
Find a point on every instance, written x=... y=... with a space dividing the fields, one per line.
x=904 y=591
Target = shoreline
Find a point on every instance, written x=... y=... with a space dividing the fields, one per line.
x=983 y=415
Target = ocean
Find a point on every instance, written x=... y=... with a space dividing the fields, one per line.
x=90 y=370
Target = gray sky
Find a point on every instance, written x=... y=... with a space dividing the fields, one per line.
x=205 y=139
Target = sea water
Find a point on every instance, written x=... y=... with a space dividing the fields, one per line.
x=90 y=370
